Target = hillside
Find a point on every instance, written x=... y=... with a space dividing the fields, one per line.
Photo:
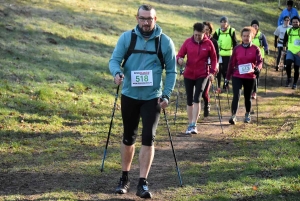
x=57 y=95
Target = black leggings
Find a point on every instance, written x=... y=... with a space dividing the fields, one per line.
x=199 y=86
x=205 y=94
x=223 y=69
x=289 y=70
x=237 y=84
x=279 y=55
x=132 y=111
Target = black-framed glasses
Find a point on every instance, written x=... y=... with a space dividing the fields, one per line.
x=149 y=20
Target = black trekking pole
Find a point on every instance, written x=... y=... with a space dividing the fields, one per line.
x=256 y=105
x=265 y=79
x=275 y=59
x=177 y=168
x=111 y=122
x=218 y=109
x=281 y=65
x=219 y=99
x=177 y=96
x=228 y=99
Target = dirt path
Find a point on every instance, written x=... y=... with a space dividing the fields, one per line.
x=196 y=148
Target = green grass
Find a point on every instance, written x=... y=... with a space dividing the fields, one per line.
x=57 y=95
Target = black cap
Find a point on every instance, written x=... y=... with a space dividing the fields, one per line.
x=289 y=3
x=224 y=18
x=254 y=22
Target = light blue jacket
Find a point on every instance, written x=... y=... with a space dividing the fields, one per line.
x=292 y=13
x=140 y=61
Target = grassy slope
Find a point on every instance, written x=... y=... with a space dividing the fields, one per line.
x=56 y=102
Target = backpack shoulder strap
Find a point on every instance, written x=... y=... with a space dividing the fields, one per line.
x=260 y=38
x=159 y=51
x=231 y=34
x=289 y=31
x=130 y=48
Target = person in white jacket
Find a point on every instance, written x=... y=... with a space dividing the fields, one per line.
x=279 y=35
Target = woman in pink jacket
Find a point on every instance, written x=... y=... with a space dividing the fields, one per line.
x=245 y=64
x=198 y=49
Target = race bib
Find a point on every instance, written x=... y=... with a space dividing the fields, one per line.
x=141 y=78
x=297 y=42
x=220 y=59
x=245 y=68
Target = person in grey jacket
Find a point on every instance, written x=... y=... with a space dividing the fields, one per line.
x=144 y=92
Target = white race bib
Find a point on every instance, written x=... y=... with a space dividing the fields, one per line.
x=220 y=59
x=245 y=68
x=297 y=42
x=141 y=78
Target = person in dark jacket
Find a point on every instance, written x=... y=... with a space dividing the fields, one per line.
x=244 y=65
x=198 y=49
x=205 y=95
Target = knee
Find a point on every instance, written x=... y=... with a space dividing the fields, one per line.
x=148 y=140
x=190 y=103
x=129 y=140
x=196 y=100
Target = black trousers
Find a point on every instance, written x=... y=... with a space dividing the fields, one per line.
x=237 y=84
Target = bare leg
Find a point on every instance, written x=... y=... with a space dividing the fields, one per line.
x=190 y=113
x=145 y=159
x=196 y=112
x=127 y=153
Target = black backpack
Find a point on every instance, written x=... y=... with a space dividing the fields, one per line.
x=132 y=50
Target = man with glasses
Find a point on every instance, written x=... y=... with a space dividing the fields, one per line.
x=279 y=35
x=292 y=41
x=144 y=93
x=288 y=11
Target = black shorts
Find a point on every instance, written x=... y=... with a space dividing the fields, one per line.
x=132 y=111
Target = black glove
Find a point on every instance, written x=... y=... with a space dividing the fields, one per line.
x=181 y=71
x=226 y=84
x=267 y=52
x=275 y=44
x=256 y=71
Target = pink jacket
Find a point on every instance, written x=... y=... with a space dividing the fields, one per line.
x=197 y=57
x=244 y=55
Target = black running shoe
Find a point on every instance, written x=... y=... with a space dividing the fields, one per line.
x=288 y=82
x=143 y=191
x=123 y=186
x=233 y=120
x=206 y=110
